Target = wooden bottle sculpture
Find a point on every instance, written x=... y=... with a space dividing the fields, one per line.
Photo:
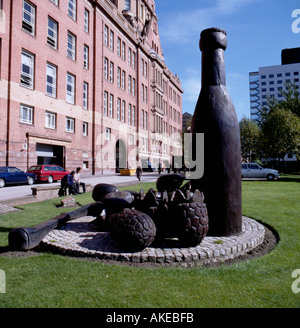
x=215 y=116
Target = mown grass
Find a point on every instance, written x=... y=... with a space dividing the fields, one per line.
x=56 y=281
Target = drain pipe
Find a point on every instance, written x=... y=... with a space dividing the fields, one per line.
x=9 y=83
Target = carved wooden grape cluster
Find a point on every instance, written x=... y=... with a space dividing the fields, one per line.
x=138 y=220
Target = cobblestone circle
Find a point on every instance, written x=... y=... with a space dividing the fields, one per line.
x=80 y=238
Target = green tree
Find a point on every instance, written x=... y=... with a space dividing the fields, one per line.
x=291 y=101
x=250 y=133
x=280 y=133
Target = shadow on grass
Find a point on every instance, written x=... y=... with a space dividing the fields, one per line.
x=289 y=179
x=4 y=229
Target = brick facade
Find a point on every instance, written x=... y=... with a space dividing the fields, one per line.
x=90 y=90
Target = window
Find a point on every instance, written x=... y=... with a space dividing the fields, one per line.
x=70 y=124
x=133 y=116
x=118 y=109
x=28 y=21
x=26 y=114
x=51 y=80
x=84 y=129
x=131 y=140
x=111 y=105
x=86 y=57
x=72 y=8
x=85 y=95
x=27 y=69
x=123 y=111
x=105 y=101
x=111 y=40
x=50 y=120
x=52 y=33
x=86 y=25
x=105 y=68
x=119 y=47
x=108 y=133
x=70 y=94
x=129 y=84
x=119 y=77
x=106 y=35
x=129 y=114
x=133 y=59
x=123 y=80
x=146 y=121
x=133 y=86
x=123 y=51
x=127 y=5
x=129 y=56
x=55 y=2
x=111 y=72
x=146 y=95
x=71 y=46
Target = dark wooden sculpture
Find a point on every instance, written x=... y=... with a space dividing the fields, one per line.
x=23 y=239
x=215 y=116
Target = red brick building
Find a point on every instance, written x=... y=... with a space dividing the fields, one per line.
x=84 y=83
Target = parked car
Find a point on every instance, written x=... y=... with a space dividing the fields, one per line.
x=255 y=171
x=13 y=175
x=48 y=172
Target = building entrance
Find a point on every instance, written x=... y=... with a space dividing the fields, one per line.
x=120 y=155
x=50 y=154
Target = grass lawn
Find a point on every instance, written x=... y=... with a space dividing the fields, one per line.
x=49 y=280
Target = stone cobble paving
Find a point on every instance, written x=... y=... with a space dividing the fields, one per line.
x=6 y=209
x=80 y=238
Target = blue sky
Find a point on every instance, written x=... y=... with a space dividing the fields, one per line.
x=257 y=31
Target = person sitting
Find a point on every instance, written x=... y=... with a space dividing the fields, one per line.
x=77 y=180
x=63 y=186
x=71 y=183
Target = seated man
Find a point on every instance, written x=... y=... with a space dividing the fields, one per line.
x=68 y=182
x=77 y=180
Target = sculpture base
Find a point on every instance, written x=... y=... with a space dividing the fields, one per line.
x=80 y=238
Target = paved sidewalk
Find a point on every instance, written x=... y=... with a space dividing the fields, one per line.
x=18 y=195
x=117 y=179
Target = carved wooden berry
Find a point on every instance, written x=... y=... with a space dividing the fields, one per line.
x=133 y=229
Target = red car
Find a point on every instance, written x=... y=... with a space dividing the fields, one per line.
x=48 y=172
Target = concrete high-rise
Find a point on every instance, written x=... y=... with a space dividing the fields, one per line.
x=270 y=81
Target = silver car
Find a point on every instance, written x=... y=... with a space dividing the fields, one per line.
x=255 y=171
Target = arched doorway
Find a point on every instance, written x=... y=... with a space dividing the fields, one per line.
x=120 y=155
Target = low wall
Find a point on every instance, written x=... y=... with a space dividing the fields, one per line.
x=51 y=191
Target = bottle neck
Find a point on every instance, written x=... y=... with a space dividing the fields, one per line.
x=213 y=67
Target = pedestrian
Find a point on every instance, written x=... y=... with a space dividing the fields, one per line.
x=139 y=169
x=159 y=167
x=77 y=180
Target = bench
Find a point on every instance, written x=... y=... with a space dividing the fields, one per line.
x=51 y=191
